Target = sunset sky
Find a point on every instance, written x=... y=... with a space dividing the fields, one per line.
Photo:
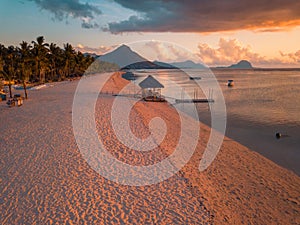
x=267 y=33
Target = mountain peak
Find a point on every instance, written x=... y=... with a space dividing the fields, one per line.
x=189 y=64
x=122 y=56
x=243 y=64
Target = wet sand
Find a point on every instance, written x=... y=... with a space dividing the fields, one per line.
x=45 y=180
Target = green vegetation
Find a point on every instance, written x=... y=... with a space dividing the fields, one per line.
x=40 y=62
x=101 y=66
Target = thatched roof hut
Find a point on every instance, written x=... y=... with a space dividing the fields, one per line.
x=151 y=89
x=151 y=83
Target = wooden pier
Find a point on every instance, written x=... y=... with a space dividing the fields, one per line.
x=194 y=100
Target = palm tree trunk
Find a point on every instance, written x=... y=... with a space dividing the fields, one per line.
x=10 y=92
x=37 y=76
x=25 y=90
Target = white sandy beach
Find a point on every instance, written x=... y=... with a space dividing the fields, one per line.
x=45 y=180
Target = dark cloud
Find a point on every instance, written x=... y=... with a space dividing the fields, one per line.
x=208 y=15
x=89 y=25
x=62 y=10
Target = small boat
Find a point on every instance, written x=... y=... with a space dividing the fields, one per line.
x=230 y=83
x=195 y=78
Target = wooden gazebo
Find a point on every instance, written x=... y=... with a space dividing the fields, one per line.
x=151 y=89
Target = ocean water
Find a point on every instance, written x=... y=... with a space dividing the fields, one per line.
x=260 y=104
x=265 y=97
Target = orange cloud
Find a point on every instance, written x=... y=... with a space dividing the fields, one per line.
x=208 y=16
x=99 y=51
x=275 y=26
x=231 y=51
x=167 y=52
x=293 y=57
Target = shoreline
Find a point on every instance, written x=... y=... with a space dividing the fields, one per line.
x=246 y=180
x=240 y=186
x=260 y=137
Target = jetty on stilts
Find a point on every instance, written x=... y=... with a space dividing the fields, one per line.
x=195 y=99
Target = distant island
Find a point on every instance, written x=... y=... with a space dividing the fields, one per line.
x=243 y=64
x=189 y=64
x=126 y=58
x=122 y=56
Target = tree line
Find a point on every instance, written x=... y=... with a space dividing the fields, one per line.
x=40 y=62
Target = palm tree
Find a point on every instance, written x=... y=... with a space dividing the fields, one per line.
x=8 y=66
x=41 y=61
x=55 y=60
x=25 y=66
x=82 y=63
x=1 y=70
x=40 y=52
x=69 y=58
x=3 y=51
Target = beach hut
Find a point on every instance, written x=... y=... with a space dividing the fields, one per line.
x=151 y=89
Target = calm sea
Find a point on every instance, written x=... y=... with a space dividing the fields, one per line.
x=260 y=104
